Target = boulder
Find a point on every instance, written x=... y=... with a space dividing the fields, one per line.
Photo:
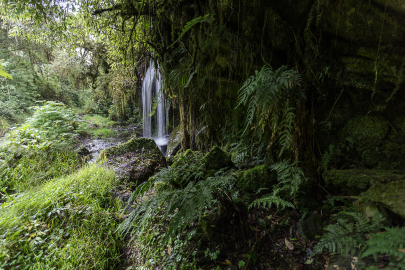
x=217 y=159
x=136 y=160
x=258 y=177
x=390 y=195
x=368 y=209
x=83 y=151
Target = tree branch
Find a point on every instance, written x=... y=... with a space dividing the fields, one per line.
x=99 y=11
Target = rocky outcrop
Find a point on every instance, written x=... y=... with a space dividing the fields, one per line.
x=389 y=195
x=136 y=160
x=355 y=181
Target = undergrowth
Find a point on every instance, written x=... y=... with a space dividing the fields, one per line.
x=67 y=223
x=24 y=169
x=354 y=233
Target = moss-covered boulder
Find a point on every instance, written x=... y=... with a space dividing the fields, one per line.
x=390 y=195
x=355 y=181
x=368 y=131
x=217 y=159
x=136 y=160
x=258 y=177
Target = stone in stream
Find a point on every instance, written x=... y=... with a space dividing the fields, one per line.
x=135 y=160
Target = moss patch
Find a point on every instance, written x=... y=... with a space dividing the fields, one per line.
x=369 y=131
x=391 y=195
x=217 y=159
x=355 y=181
x=258 y=177
x=136 y=160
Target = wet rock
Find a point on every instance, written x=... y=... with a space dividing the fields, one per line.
x=174 y=143
x=83 y=151
x=136 y=160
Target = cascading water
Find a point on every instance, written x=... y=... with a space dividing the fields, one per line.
x=151 y=85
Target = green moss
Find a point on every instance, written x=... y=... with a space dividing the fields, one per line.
x=188 y=157
x=145 y=144
x=391 y=195
x=258 y=177
x=355 y=181
x=162 y=186
x=217 y=159
x=368 y=131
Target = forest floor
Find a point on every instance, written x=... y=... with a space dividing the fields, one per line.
x=59 y=212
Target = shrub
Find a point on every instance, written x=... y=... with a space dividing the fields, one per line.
x=52 y=123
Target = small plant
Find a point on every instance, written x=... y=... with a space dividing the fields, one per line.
x=348 y=233
x=289 y=178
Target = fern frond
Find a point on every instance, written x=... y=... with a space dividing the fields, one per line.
x=390 y=242
x=189 y=25
x=268 y=200
x=327 y=157
x=183 y=205
x=348 y=233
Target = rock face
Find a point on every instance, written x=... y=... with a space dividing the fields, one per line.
x=174 y=143
x=136 y=160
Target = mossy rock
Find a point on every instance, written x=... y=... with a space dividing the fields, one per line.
x=135 y=160
x=390 y=195
x=368 y=131
x=368 y=209
x=217 y=159
x=258 y=177
x=146 y=145
x=355 y=181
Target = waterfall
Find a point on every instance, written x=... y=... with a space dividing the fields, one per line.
x=151 y=86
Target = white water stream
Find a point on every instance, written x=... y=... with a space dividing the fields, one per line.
x=151 y=86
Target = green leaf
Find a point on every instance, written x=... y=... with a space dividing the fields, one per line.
x=189 y=25
x=4 y=73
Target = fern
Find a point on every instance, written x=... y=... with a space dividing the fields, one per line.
x=183 y=205
x=189 y=25
x=267 y=96
x=392 y=243
x=268 y=200
x=289 y=178
x=327 y=157
x=348 y=233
